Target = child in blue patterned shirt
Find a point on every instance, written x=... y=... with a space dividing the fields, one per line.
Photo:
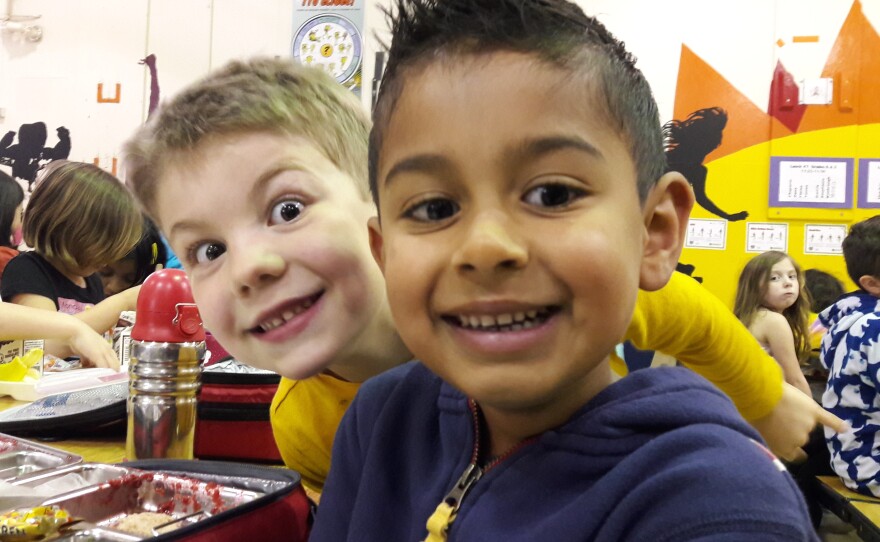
x=851 y=353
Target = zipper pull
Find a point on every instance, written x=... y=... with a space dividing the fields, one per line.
x=442 y=518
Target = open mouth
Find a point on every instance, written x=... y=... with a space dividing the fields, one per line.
x=287 y=313
x=512 y=321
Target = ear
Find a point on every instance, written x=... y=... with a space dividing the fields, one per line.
x=666 y=210
x=376 y=242
x=870 y=284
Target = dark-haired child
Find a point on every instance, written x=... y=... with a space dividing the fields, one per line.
x=851 y=353
x=78 y=219
x=147 y=256
x=11 y=201
x=824 y=289
x=517 y=163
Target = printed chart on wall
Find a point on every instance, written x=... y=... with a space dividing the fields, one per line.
x=764 y=236
x=824 y=238
x=706 y=233
x=328 y=34
x=811 y=182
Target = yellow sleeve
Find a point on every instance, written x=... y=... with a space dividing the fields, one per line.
x=687 y=322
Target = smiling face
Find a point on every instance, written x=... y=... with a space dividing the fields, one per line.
x=511 y=232
x=783 y=287
x=273 y=238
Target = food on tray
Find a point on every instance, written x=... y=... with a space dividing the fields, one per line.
x=141 y=523
x=31 y=523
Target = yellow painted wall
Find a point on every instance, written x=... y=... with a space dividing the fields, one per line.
x=741 y=181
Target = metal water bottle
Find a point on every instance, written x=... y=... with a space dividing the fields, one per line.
x=167 y=349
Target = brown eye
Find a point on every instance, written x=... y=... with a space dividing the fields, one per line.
x=553 y=195
x=433 y=210
x=208 y=252
x=286 y=211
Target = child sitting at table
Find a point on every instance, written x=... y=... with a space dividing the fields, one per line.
x=517 y=164
x=11 y=198
x=78 y=219
x=851 y=353
x=257 y=174
x=147 y=256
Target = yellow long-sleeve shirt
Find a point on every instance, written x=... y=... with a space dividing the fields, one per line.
x=687 y=322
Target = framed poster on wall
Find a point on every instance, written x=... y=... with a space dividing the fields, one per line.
x=811 y=182
x=869 y=183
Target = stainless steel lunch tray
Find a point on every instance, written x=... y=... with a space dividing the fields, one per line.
x=185 y=500
x=19 y=457
x=91 y=474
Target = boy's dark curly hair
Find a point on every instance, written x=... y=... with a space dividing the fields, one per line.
x=554 y=31
x=861 y=249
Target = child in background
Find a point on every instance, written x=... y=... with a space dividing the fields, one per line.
x=20 y=322
x=79 y=218
x=824 y=290
x=11 y=201
x=147 y=256
x=772 y=303
x=851 y=353
x=275 y=156
x=517 y=163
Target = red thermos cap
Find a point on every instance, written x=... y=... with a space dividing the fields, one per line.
x=166 y=311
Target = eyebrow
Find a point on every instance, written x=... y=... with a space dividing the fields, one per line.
x=258 y=187
x=530 y=149
x=420 y=163
x=540 y=146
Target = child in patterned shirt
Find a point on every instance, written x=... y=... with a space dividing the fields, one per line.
x=851 y=353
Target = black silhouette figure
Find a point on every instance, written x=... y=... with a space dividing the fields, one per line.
x=688 y=142
x=30 y=153
x=150 y=63
x=688 y=270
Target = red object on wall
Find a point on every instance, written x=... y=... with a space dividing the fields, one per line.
x=784 y=99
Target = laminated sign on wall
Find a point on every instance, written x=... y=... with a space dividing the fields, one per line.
x=328 y=34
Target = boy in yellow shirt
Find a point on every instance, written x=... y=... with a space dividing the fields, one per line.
x=257 y=175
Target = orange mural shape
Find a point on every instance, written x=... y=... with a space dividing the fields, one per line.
x=700 y=86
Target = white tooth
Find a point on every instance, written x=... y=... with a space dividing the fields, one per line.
x=531 y=314
x=487 y=321
x=475 y=321
x=519 y=316
x=504 y=319
x=528 y=324
x=516 y=327
x=287 y=315
x=277 y=322
x=463 y=320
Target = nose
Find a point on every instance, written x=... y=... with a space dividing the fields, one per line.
x=254 y=265
x=491 y=244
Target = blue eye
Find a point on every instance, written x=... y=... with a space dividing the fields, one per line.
x=286 y=211
x=553 y=195
x=207 y=252
x=433 y=210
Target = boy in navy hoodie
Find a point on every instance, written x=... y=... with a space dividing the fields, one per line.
x=517 y=163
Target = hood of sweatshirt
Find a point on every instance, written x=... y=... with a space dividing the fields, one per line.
x=847 y=314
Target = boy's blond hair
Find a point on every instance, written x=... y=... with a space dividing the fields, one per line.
x=81 y=218
x=257 y=95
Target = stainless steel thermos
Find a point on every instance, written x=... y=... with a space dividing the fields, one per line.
x=167 y=350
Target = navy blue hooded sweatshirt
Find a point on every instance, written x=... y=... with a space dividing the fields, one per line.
x=659 y=456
